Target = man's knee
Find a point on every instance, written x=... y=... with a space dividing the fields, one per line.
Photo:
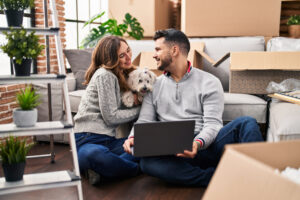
x=145 y=165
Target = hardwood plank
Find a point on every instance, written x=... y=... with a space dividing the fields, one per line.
x=140 y=187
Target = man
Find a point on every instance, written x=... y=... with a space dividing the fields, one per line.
x=184 y=92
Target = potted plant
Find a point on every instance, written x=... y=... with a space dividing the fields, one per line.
x=22 y=47
x=294 y=26
x=26 y=115
x=13 y=155
x=130 y=25
x=14 y=10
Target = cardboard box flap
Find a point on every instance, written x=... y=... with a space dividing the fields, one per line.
x=197 y=52
x=239 y=176
x=261 y=151
x=218 y=62
x=145 y=59
x=264 y=61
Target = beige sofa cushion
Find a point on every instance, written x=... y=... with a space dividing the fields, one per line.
x=284 y=121
x=75 y=97
x=237 y=105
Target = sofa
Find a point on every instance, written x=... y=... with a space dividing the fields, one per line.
x=283 y=117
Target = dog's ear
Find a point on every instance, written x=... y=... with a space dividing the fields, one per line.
x=152 y=75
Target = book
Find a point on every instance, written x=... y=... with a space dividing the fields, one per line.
x=292 y=97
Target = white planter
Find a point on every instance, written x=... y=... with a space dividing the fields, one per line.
x=24 y=118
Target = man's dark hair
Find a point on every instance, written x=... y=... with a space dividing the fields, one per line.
x=176 y=37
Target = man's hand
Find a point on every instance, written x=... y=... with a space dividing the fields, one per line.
x=127 y=144
x=189 y=154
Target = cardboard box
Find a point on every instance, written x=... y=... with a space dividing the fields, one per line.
x=251 y=72
x=145 y=60
x=247 y=171
x=196 y=54
x=152 y=14
x=230 y=17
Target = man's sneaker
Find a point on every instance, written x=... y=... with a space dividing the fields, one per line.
x=94 y=177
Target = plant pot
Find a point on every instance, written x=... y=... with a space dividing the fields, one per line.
x=24 y=68
x=14 y=17
x=294 y=31
x=24 y=118
x=13 y=172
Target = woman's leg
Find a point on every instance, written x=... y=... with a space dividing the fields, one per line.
x=100 y=154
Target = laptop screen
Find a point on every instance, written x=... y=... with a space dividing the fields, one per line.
x=163 y=138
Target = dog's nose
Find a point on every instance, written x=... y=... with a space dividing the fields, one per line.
x=145 y=88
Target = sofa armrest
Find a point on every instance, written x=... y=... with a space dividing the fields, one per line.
x=71 y=82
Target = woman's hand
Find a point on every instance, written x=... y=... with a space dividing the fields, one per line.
x=128 y=144
x=136 y=100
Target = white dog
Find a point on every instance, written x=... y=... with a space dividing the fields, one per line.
x=140 y=81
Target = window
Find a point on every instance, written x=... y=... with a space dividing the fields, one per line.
x=77 y=12
x=4 y=59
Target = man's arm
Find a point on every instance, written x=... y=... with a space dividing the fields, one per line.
x=213 y=107
x=147 y=114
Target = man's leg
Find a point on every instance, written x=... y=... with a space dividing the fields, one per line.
x=176 y=170
x=198 y=171
x=241 y=130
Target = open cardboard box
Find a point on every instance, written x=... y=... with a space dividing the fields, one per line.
x=247 y=171
x=251 y=72
x=196 y=54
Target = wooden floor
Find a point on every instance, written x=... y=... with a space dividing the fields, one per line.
x=141 y=187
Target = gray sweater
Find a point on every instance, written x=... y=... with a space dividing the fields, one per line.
x=197 y=96
x=100 y=109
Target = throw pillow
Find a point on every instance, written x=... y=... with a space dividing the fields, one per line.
x=79 y=61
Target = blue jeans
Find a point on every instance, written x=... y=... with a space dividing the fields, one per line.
x=199 y=170
x=105 y=155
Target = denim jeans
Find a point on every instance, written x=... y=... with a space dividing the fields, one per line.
x=105 y=155
x=199 y=170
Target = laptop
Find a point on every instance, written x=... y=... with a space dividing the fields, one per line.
x=163 y=138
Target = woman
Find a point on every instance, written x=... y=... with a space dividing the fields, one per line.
x=100 y=112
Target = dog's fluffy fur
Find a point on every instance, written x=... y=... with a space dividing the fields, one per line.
x=140 y=81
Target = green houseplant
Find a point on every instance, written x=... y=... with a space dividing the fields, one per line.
x=26 y=115
x=130 y=26
x=22 y=47
x=13 y=155
x=294 y=26
x=14 y=10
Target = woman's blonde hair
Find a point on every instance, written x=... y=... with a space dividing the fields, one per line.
x=106 y=55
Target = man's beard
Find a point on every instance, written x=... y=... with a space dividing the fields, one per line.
x=165 y=62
